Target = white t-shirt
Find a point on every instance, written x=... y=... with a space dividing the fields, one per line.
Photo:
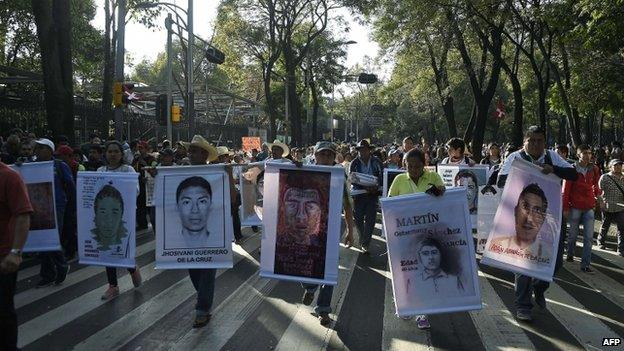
x=556 y=161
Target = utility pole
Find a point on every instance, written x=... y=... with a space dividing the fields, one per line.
x=189 y=71
x=168 y=22
x=119 y=65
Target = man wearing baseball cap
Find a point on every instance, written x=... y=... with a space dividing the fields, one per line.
x=54 y=267
x=324 y=155
x=612 y=203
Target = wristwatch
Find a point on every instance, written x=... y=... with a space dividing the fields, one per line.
x=17 y=252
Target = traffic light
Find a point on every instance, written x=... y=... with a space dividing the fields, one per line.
x=117 y=94
x=161 y=109
x=215 y=55
x=176 y=112
x=365 y=78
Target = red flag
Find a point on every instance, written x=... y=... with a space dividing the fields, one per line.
x=500 y=113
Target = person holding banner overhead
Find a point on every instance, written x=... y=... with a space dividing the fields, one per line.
x=419 y=180
x=324 y=155
x=535 y=151
x=109 y=231
x=15 y=211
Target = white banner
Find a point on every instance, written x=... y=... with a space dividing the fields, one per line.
x=301 y=236
x=149 y=188
x=251 y=184
x=39 y=179
x=468 y=177
x=194 y=217
x=106 y=210
x=489 y=199
x=431 y=253
x=526 y=230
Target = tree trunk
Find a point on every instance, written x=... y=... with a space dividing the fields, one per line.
x=294 y=110
x=52 y=18
x=270 y=103
x=516 y=132
x=600 y=128
x=315 y=109
x=471 y=124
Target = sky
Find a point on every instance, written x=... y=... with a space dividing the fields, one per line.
x=142 y=42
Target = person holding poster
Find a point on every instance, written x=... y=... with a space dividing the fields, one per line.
x=109 y=227
x=535 y=152
x=419 y=180
x=456 y=148
x=15 y=211
x=324 y=155
x=54 y=267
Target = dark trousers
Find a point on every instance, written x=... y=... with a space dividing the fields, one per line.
x=8 y=317
x=610 y=218
x=152 y=215
x=54 y=261
x=525 y=286
x=204 y=282
x=238 y=234
x=365 y=214
x=141 y=209
x=111 y=274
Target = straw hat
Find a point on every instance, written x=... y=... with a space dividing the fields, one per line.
x=202 y=143
x=224 y=150
x=280 y=145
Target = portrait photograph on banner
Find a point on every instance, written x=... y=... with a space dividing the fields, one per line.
x=251 y=185
x=106 y=204
x=526 y=228
x=431 y=253
x=468 y=177
x=489 y=199
x=43 y=234
x=388 y=178
x=302 y=212
x=193 y=216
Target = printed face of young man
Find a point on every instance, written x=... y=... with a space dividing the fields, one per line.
x=530 y=215
x=302 y=212
x=471 y=189
x=430 y=257
x=194 y=207
x=108 y=218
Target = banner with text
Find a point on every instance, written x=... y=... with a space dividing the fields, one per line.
x=431 y=253
x=39 y=179
x=194 y=218
x=525 y=234
x=106 y=203
x=489 y=199
x=302 y=212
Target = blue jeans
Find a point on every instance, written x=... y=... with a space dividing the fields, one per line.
x=54 y=261
x=586 y=217
x=365 y=214
x=525 y=285
x=204 y=282
x=607 y=220
x=323 y=301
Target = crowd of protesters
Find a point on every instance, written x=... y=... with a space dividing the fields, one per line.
x=593 y=187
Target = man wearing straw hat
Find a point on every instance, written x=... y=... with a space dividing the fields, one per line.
x=279 y=150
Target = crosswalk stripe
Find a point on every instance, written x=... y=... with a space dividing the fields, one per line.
x=612 y=257
x=603 y=284
x=495 y=324
x=305 y=332
x=399 y=334
x=32 y=295
x=45 y=323
x=123 y=330
x=580 y=322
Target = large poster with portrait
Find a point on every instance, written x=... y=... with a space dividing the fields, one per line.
x=106 y=205
x=525 y=234
x=489 y=199
x=194 y=218
x=302 y=212
x=388 y=178
x=39 y=179
x=431 y=253
x=251 y=184
x=468 y=177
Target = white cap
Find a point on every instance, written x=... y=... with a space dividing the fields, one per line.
x=46 y=142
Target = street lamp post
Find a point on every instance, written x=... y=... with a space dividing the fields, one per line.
x=190 y=110
x=168 y=23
